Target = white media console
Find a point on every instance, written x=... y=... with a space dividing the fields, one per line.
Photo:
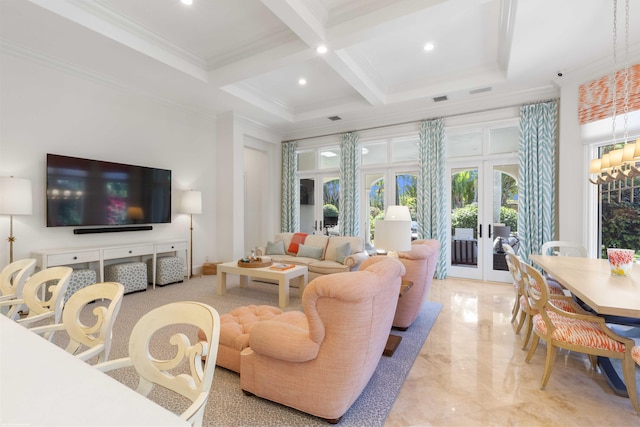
x=110 y=254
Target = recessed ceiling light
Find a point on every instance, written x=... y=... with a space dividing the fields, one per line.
x=302 y=81
x=187 y=2
x=322 y=49
x=429 y=47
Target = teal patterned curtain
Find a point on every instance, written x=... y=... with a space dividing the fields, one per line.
x=290 y=194
x=348 y=215
x=537 y=209
x=431 y=202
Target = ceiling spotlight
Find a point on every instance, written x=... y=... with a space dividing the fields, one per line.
x=187 y=2
x=302 y=81
x=322 y=49
x=428 y=47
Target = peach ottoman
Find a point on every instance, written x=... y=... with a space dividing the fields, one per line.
x=236 y=326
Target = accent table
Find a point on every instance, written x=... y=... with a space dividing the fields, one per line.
x=394 y=340
x=282 y=276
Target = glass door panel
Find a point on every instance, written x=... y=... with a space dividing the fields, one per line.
x=374 y=184
x=308 y=221
x=484 y=214
x=464 y=222
x=503 y=185
x=316 y=217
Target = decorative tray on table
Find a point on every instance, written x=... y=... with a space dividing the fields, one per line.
x=253 y=263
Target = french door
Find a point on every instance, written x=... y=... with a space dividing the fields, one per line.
x=319 y=197
x=483 y=210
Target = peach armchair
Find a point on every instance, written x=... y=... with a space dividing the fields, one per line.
x=322 y=367
x=420 y=264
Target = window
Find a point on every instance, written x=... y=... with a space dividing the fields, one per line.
x=618 y=213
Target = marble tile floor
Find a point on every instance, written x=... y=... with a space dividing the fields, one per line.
x=471 y=371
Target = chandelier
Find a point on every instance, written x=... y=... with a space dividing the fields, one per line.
x=619 y=167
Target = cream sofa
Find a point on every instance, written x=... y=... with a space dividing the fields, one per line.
x=327 y=263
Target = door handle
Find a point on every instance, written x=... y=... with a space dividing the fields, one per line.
x=315 y=225
x=489 y=230
x=480 y=231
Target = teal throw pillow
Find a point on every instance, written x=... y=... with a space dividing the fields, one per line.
x=310 y=251
x=275 y=248
x=343 y=251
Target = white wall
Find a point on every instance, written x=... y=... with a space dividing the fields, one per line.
x=576 y=213
x=48 y=109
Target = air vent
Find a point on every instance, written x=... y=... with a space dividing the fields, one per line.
x=440 y=98
x=334 y=118
x=481 y=90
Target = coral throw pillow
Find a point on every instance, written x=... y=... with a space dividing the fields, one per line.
x=296 y=240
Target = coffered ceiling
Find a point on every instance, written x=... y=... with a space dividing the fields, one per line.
x=247 y=56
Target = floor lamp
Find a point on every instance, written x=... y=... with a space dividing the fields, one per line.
x=191 y=204
x=15 y=199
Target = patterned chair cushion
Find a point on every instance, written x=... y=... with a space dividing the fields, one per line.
x=577 y=332
x=635 y=353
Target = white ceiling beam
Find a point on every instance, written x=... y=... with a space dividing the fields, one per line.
x=125 y=32
x=306 y=23
x=378 y=22
x=264 y=62
x=505 y=34
x=253 y=97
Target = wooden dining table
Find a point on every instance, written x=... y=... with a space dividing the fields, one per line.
x=591 y=281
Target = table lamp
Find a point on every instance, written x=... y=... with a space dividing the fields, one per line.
x=501 y=232
x=393 y=234
x=15 y=199
x=191 y=204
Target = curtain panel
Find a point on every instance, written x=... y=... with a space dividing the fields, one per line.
x=290 y=194
x=348 y=216
x=536 y=195
x=431 y=189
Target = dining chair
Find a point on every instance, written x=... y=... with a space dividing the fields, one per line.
x=40 y=304
x=165 y=351
x=580 y=331
x=93 y=332
x=526 y=311
x=563 y=248
x=12 y=280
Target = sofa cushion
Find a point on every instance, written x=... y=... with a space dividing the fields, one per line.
x=357 y=245
x=296 y=241
x=275 y=248
x=318 y=241
x=342 y=251
x=327 y=267
x=310 y=251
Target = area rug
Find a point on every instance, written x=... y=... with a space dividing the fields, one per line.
x=227 y=405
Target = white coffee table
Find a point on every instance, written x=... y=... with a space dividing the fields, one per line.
x=283 y=277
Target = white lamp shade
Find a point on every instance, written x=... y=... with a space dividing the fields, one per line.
x=596 y=165
x=397 y=213
x=392 y=235
x=615 y=157
x=191 y=202
x=16 y=197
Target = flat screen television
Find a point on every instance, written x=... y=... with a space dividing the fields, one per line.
x=85 y=192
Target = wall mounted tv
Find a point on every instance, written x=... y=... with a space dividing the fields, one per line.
x=95 y=193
